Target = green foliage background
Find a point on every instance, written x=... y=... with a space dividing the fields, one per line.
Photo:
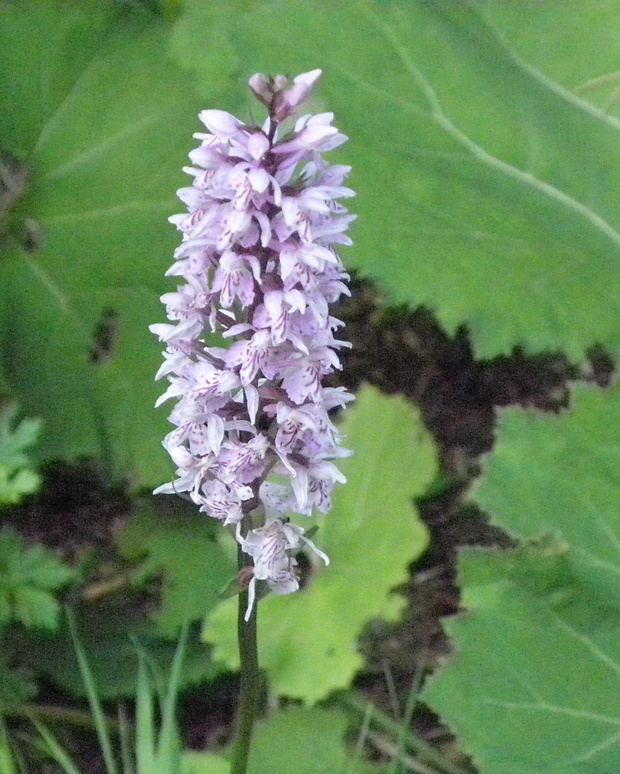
x=535 y=683
x=485 y=145
x=370 y=537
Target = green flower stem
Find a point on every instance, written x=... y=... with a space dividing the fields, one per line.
x=250 y=678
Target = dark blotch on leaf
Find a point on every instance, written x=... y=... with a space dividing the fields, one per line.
x=104 y=336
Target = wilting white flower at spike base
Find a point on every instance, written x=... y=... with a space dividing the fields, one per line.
x=271 y=547
x=259 y=268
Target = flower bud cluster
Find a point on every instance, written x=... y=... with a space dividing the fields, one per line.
x=253 y=439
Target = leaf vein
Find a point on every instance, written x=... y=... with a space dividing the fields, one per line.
x=437 y=114
x=100 y=149
x=99 y=212
x=555 y=709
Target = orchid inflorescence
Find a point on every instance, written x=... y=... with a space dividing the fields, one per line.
x=254 y=440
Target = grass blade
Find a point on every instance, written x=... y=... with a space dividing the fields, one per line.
x=7 y=761
x=145 y=721
x=49 y=745
x=93 y=698
x=169 y=745
x=125 y=741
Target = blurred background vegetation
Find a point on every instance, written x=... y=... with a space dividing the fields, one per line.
x=485 y=146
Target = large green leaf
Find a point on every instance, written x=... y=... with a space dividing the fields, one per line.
x=504 y=181
x=104 y=121
x=485 y=190
x=533 y=687
x=307 y=640
x=562 y=475
x=183 y=547
x=298 y=739
x=535 y=681
x=204 y=763
x=303 y=740
x=588 y=28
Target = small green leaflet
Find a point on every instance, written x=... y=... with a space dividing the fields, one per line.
x=16 y=476
x=28 y=576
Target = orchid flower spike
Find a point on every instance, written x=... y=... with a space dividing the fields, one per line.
x=253 y=440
